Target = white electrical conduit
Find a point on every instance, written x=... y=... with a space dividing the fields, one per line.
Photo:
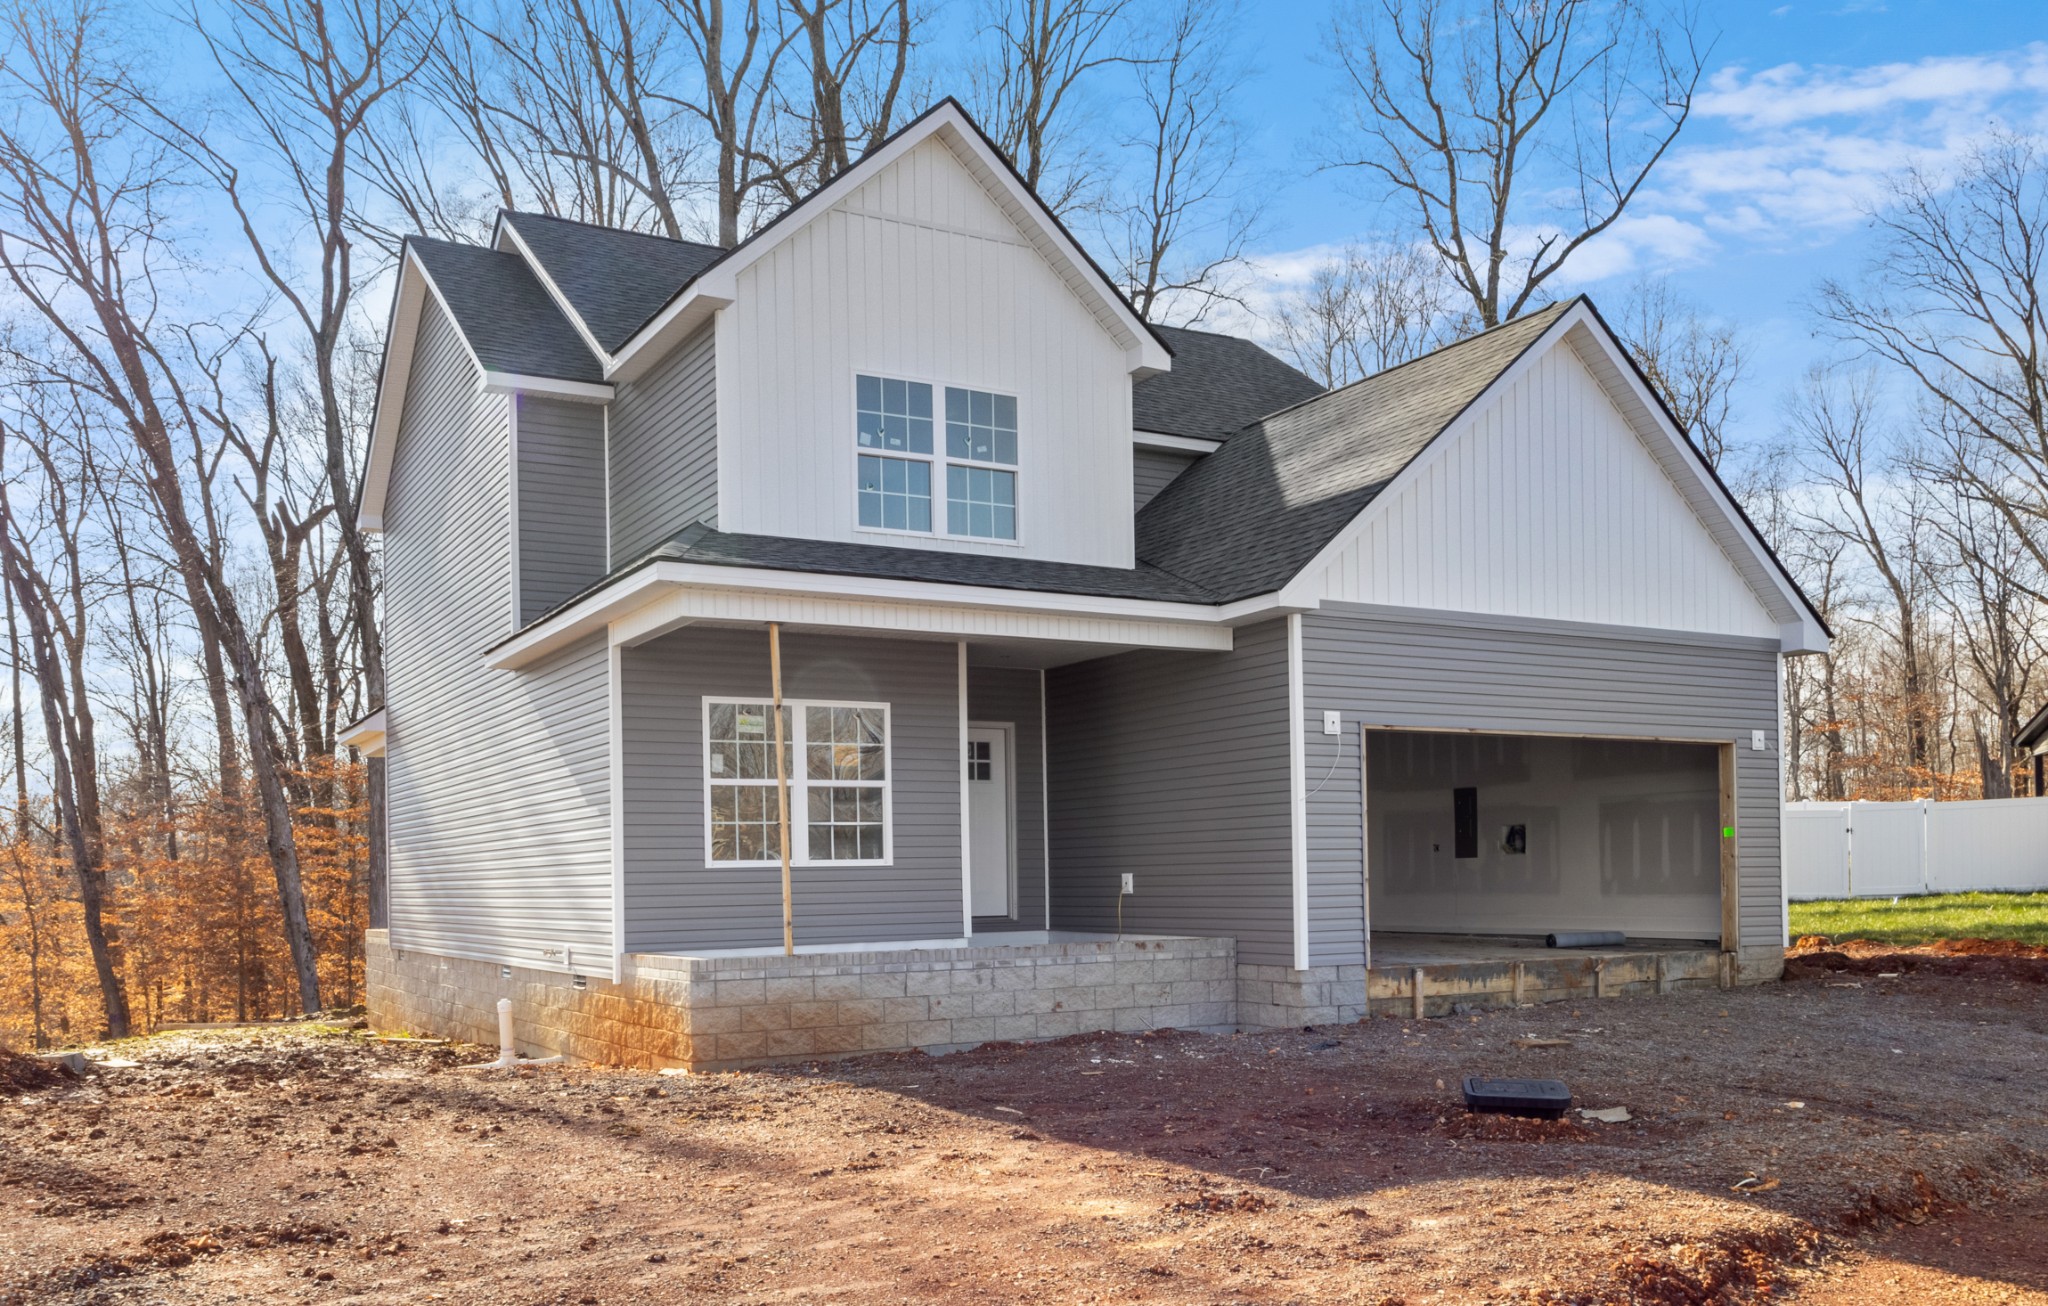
x=508 y=1055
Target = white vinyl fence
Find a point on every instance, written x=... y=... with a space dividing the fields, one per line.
x=1880 y=850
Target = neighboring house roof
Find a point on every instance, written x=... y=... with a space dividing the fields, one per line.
x=2035 y=730
x=701 y=544
x=614 y=280
x=1218 y=386
x=1246 y=519
x=504 y=313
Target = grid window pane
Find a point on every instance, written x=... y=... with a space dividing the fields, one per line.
x=895 y=493
x=981 y=501
x=981 y=426
x=739 y=754
x=892 y=414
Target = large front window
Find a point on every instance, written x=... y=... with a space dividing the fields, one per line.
x=899 y=466
x=836 y=756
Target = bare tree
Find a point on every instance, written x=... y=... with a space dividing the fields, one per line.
x=1693 y=363
x=1510 y=134
x=81 y=249
x=1180 y=229
x=741 y=71
x=1366 y=310
x=1835 y=419
x=855 y=55
x=1953 y=300
x=1038 y=59
x=67 y=725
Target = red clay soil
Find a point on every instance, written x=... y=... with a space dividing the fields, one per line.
x=1334 y=1165
x=1816 y=955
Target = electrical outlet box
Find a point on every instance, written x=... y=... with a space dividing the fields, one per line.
x=1333 y=723
x=1756 y=741
x=1130 y=884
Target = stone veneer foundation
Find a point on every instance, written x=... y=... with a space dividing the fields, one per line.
x=723 y=1012
x=709 y=1013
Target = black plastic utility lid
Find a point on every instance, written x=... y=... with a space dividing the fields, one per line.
x=1518 y=1097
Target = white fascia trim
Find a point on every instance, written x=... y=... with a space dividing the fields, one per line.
x=408 y=300
x=635 y=608
x=1174 y=443
x=509 y=234
x=718 y=287
x=1297 y=792
x=580 y=392
x=366 y=736
x=651 y=582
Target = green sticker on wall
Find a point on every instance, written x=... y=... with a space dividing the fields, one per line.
x=1727 y=832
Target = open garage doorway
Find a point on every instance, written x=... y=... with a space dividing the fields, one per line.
x=1516 y=836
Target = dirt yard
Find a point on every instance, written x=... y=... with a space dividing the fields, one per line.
x=1889 y=1116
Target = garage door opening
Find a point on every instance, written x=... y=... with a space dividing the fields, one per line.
x=1510 y=837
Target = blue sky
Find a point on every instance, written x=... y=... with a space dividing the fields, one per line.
x=1805 y=109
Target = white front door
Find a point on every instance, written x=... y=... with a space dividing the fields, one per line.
x=988 y=820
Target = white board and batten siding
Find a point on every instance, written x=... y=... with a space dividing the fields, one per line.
x=1547 y=504
x=919 y=274
x=1883 y=850
x=498 y=798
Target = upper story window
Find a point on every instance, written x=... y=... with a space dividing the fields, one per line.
x=898 y=461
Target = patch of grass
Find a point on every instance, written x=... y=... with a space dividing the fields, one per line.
x=1923 y=919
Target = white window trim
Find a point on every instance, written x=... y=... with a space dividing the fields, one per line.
x=800 y=783
x=938 y=460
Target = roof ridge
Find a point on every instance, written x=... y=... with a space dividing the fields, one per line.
x=616 y=231
x=1473 y=339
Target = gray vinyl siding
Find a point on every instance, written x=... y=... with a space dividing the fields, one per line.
x=1390 y=667
x=1153 y=469
x=675 y=902
x=1173 y=766
x=498 y=782
x=561 y=501
x=664 y=449
x=999 y=695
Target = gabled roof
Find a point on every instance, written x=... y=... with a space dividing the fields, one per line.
x=1246 y=519
x=2035 y=730
x=1219 y=385
x=613 y=280
x=506 y=316
x=715 y=286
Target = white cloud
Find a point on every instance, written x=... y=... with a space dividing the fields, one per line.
x=1797 y=93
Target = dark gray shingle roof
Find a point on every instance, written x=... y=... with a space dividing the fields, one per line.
x=701 y=544
x=1219 y=385
x=1247 y=518
x=614 y=279
x=504 y=312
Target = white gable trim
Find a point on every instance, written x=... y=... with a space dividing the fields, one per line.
x=1163 y=443
x=408 y=301
x=1581 y=328
x=718 y=285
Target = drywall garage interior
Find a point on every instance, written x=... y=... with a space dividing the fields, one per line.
x=1519 y=834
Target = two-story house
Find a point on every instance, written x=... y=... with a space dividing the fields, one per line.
x=1128 y=678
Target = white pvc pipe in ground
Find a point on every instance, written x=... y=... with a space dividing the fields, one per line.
x=507 y=1054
